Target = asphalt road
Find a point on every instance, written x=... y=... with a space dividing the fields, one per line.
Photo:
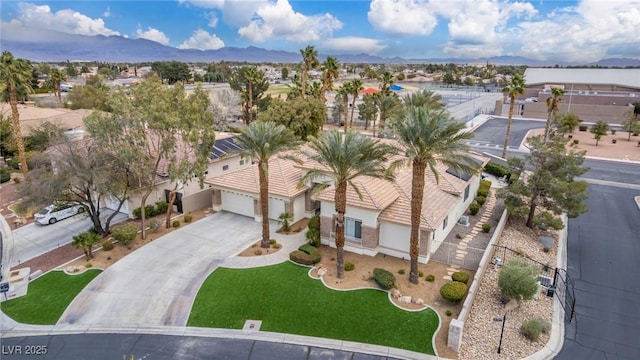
x=604 y=261
x=492 y=132
x=160 y=347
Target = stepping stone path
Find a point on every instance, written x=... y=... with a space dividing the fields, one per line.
x=461 y=251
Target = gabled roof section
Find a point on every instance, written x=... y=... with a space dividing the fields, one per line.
x=283 y=179
x=377 y=194
x=621 y=77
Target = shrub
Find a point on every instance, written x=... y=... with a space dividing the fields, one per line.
x=481 y=200
x=474 y=208
x=384 y=278
x=458 y=236
x=460 y=276
x=313 y=234
x=348 y=266
x=449 y=313
x=272 y=241
x=124 y=233
x=285 y=219
x=307 y=249
x=486 y=228
x=401 y=271
x=485 y=185
x=430 y=278
x=154 y=225
x=518 y=280
x=175 y=223
x=304 y=258
x=576 y=141
x=531 y=329
x=453 y=291
x=187 y=218
x=150 y=211
x=88 y=265
x=583 y=127
x=137 y=213
x=420 y=273
x=257 y=252
x=5 y=175
x=161 y=207
x=276 y=246
x=497 y=170
x=107 y=245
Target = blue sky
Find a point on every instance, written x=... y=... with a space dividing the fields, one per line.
x=584 y=30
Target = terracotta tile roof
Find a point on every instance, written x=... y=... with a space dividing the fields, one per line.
x=377 y=194
x=283 y=179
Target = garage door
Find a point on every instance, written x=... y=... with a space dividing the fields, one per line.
x=237 y=203
x=276 y=207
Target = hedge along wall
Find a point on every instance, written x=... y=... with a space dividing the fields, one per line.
x=457 y=325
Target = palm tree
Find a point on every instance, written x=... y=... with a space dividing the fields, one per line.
x=424 y=98
x=356 y=87
x=387 y=80
x=346 y=157
x=56 y=77
x=344 y=90
x=552 y=108
x=330 y=72
x=389 y=106
x=261 y=141
x=428 y=137
x=309 y=61
x=16 y=74
x=514 y=88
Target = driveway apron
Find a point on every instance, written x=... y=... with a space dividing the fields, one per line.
x=156 y=284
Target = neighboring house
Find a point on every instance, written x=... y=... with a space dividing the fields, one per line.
x=239 y=192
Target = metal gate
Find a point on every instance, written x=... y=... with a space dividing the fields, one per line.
x=565 y=291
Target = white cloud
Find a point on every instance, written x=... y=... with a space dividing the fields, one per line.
x=153 y=35
x=213 y=19
x=202 y=40
x=67 y=20
x=353 y=45
x=403 y=17
x=107 y=12
x=234 y=13
x=279 y=21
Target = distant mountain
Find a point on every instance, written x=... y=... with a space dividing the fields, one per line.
x=617 y=62
x=55 y=46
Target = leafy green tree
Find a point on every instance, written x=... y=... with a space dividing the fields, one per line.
x=346 y=157
x=15 y=74
x=449 y=78
x=172 y=71
x=566 y=122
x=552 y=108
x=261 y=141
x=252 y=84
x=630 y=124
x=518 y=280
x=303 y=117
x=93 y=97
x=285 y=73
x=86 y=241
x=337 y=111
x=599 y=129
x=42 y=136
x=69 y=70
x=515 y=87
x=427 y=137
x=549 y=181
x=367 y=110
x=309 y=62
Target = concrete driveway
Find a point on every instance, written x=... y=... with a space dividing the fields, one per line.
x=156 y=284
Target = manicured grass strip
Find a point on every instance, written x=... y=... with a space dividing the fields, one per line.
x=48 y=297
x=288 y=301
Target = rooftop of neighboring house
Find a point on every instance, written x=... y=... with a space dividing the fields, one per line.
x=629 y=78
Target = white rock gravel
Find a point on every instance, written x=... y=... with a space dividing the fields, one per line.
x=481 y=332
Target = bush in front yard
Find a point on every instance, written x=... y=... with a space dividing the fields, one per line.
x=453 y=291
x=187 y=218
x=481 y=200
x=531 y=329
x=124 y=233
x=175 y=223
x=518 y=280
x=486 y=228
x=474 y=208
x=313 y=234
x=460 y=276
x=107 y=245
x=384 y=278
x=301 y=257
x=349 y=266
x=583 y=127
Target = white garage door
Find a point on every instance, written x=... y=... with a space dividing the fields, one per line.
x=237 y=203
x=276 y=207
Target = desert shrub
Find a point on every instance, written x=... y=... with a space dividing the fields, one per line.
x=531 y=329
x=107 y=245
x=497 y=170
x=458 y=236
x=348 y=266
x=276 y=246
x=430 y=278
x=448 y=313
x=161 y=207
x=88 y=265
x=384 y=278
x=5 y=175
x=613 y=131
x=481 y=200
x=272 y=241
x=124 y=233
x=188 y=218
x=548 y=219
x=85 y=242
x=137 y=213
x=313 y=234
x=175 y=223
x=154 y=225
x=401 y=271
x=486 y=228
x=583 y=127
x=484 y=188
x=420 y=273
x=474 y=208
x=576 y=141
x=150 y=210
x=518 y=280
x=301 y=257
x=453 y=291
x=257 y=252
x=460 y=276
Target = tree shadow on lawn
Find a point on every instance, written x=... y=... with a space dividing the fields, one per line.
x=287 y=300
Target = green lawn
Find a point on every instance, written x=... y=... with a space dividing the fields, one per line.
x=48 y=297
x=286 y=300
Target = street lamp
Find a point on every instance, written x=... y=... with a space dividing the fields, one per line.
x=504 y=320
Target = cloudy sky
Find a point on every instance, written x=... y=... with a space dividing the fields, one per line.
x=584 y=30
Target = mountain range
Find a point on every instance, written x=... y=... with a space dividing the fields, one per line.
x=56 y=47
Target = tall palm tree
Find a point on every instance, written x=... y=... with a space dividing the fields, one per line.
x=552 y=108
x=309 y=61
x=330 y=72
x=345 y=158
x=424 y=98
x=427 y=137
x=56 y=77
x=261 y=141
x=389 y=106
x=16 y=74
x=387 y=80
x=344 y=90
x=356 y=87
x=514 y=88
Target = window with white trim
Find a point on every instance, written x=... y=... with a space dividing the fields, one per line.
x=353 y=228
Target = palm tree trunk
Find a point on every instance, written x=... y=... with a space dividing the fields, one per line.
x=417 y=190
x=345 y=99
x=506 y=136
x=341 y=206
x=373 y=126
x=263 y=170
x=250 y=103
x=17 y=132
x=353 y=110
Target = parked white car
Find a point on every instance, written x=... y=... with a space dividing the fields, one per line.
x=54 y=213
